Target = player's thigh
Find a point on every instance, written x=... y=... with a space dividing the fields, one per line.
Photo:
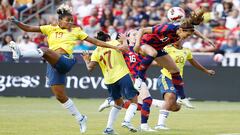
x=144 y=92
x=165 y=86
x=148 y=50
x=126 y=86
x=50 y=55
x=167 y=62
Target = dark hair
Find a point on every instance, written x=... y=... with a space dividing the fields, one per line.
x=187 y=26
x=63 y=11
x=102 y=36
x=4 y=42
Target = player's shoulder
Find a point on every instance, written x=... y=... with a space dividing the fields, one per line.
x=169 y=47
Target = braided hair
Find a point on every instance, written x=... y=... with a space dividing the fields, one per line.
x=63 y=11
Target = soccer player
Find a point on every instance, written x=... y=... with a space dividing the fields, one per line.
x=180 y=55
x=117 y=79
x=61 y=39
x=151 y=40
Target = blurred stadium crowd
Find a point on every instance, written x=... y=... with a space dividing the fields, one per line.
x=221 y=20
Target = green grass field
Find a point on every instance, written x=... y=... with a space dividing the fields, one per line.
x=45 y=116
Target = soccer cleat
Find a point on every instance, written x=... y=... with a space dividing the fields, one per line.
x=185 y=102
x=161 y=127
x=83 y=124
x=129 y=126
x=138 y=83
x=146 y=128
x=109 y=131
x=16 y=53
x=105 y=104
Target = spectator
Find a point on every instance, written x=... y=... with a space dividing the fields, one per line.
x=194 y=44
x=6 y=56
x=6 y=40
x=20 y=5
x=25 y=43
x=233 y=20
x=231 y=46
x=85 y=9
x=6 y=10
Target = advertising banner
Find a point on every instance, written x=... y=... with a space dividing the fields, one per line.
x=28 y=80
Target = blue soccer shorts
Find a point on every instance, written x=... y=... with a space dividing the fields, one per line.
x=122 y=88
x=56 y=74
x=165 y=85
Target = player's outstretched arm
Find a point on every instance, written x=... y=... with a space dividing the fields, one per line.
x=23 y=26
x=140 y=33
x=199 y=34
x=197 y=65
x=90 y=64
x=103 y=44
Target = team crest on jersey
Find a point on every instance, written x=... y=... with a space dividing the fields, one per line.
x=171 y=88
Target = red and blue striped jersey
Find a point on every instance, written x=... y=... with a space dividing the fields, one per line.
x=133 y=61
x=161 y=36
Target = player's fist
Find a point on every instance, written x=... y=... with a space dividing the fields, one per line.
x=13 y=19
x=210 y=72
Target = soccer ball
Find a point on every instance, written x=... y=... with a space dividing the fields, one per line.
x=218 y=57
x=176 y=14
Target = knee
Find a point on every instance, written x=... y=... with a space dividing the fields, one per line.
x=61 y=98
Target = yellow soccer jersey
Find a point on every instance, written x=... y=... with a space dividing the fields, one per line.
x=179 y=56
x=62 y=38
x=111 y=62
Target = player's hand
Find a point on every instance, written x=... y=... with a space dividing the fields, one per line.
x=12 y=19
x=122 y=37
x=86 y=56
x=210 y=72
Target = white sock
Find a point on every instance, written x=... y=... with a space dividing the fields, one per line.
x=130 y=112
x=112 y=116
x=112 y=103
x=38 y=53
x=163 y=114
x=69 y=105
x=158 y=103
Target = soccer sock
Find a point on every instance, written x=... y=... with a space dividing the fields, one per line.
x=112 y=116
x=130 y=112
x=38 y=53
x=163 y=114
x=69 y=105
x=146 y=109
x=144 y=65
x=178 y=84
x=127 y=103
x=158 y=103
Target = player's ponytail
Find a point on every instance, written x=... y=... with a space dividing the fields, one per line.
x=103 y=36
x=64 y=10
x=195 y=19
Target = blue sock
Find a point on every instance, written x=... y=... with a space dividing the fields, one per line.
x=147 y=102
x=144 y=66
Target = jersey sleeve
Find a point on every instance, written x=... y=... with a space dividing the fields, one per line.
x=94 y=56
x=167 y=48
x=82 y=35
x=189 y=55
x=46 y=29
x=163 y=28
